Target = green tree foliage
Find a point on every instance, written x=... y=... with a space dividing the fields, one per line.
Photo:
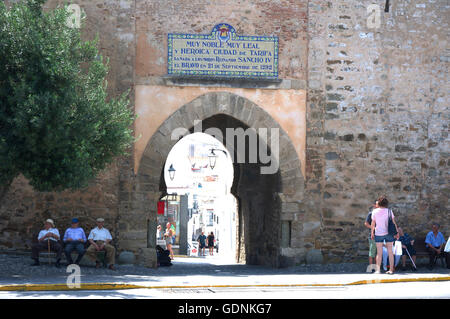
x=57 y=126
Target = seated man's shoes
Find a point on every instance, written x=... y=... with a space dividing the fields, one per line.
x=98 y=264
x=112 y=267
x=77 y=262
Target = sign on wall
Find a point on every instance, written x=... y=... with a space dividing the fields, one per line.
x=222 y=53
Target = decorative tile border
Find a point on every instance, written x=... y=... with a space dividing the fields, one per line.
x=223 y=38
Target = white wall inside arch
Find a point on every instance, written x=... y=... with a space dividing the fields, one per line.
x=193 y=173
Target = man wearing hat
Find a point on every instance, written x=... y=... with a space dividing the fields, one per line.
x=74 y=239
x=100 y=239
x=48 y=239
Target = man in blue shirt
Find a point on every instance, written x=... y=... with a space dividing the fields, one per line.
x=74 y=239
x=407 y=248
x=435 y=244
x=202 y=243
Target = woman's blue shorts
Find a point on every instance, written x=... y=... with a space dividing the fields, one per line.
x=388 y=238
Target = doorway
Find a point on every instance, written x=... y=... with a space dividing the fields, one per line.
x=199 y=174
x=262 y=198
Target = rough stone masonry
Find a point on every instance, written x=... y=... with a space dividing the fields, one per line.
x=376 y=118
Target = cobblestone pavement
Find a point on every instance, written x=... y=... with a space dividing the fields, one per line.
x=17 y=269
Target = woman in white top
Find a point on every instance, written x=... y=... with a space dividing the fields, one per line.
x=380 y=233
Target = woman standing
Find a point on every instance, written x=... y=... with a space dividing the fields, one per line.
x=380 y=233
x=168 y=235
x=211 y=244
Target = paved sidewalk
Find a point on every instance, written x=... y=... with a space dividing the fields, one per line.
x=16 y=274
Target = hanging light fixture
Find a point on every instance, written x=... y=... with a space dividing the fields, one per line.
x=171 y=172
x=212 y=159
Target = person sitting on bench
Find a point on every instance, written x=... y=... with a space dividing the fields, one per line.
x=74 y=239
x=100 y=239
x=48 y=241
x=407 y=247
x=435 y=244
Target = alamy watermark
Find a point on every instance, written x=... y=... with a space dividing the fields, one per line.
x=74 y=20
x=374 y=18
x=74 y=279
x=255 y=151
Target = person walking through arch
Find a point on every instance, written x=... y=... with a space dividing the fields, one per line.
x=211 y=244
x=380 y=232
x=202 y=244
x=169 y=236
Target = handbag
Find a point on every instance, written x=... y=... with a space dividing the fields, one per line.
x=398 y=250
x=447 y=246
x=392 y=230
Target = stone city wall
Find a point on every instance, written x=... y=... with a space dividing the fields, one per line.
x=376 y=114
x=377 y=119
x=23 y=210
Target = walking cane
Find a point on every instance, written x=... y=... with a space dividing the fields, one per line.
x=48 y=245
x=411 y=258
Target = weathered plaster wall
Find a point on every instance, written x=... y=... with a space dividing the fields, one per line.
x=286 y=19
x=157 y=98
x=154 y=104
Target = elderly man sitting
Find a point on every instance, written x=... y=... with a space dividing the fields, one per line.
x=435 y=243
x=100 y=239
x=48 y=240
x=74 y=238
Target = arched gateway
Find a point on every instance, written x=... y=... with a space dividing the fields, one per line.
x=262 y=197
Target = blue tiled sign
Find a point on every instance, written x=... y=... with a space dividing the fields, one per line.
x=222 y=54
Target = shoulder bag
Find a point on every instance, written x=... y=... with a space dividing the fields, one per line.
x=392 y=230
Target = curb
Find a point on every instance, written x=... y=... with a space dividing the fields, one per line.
x=113 y=286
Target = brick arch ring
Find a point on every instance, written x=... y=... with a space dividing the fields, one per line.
x=237 y=107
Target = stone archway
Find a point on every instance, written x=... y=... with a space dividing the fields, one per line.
x=265 y=200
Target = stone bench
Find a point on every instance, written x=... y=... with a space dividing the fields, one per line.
x=422 y=252
x=46 y=257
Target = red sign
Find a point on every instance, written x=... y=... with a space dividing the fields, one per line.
x=161 y=205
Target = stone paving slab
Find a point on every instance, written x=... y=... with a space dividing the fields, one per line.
x=200 y=272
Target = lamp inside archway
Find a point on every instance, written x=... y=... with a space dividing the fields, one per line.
x=212 y=159
x=171 y=172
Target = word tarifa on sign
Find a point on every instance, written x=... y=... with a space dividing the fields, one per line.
x=222 y=52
